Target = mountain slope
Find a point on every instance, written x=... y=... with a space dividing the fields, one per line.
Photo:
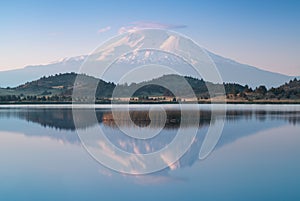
x=17 y=77
x=232 y=71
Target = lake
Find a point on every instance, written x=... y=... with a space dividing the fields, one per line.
x=256 y=156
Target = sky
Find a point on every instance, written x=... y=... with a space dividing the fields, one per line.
x=262 y=33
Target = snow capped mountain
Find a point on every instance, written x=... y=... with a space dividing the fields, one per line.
x=137 y=52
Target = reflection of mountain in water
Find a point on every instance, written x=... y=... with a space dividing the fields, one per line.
x=62 y=119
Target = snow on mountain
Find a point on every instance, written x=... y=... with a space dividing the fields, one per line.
x=170 y=44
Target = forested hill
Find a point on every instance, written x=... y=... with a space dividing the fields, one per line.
x=59 y=87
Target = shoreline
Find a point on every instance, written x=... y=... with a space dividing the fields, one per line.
x=231 y=102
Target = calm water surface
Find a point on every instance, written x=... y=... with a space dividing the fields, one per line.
x=256 y=158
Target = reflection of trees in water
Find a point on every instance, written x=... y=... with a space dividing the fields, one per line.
x=58 y=118
x=53 y=118
x=292 y=117
x=172 y=119
x=62 y=118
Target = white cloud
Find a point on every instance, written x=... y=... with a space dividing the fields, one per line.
x=105 y=29
x=148 y=25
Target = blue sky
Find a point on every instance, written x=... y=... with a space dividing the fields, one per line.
x=262 y=33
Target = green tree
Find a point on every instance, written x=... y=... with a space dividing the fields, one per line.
x=261 y=90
